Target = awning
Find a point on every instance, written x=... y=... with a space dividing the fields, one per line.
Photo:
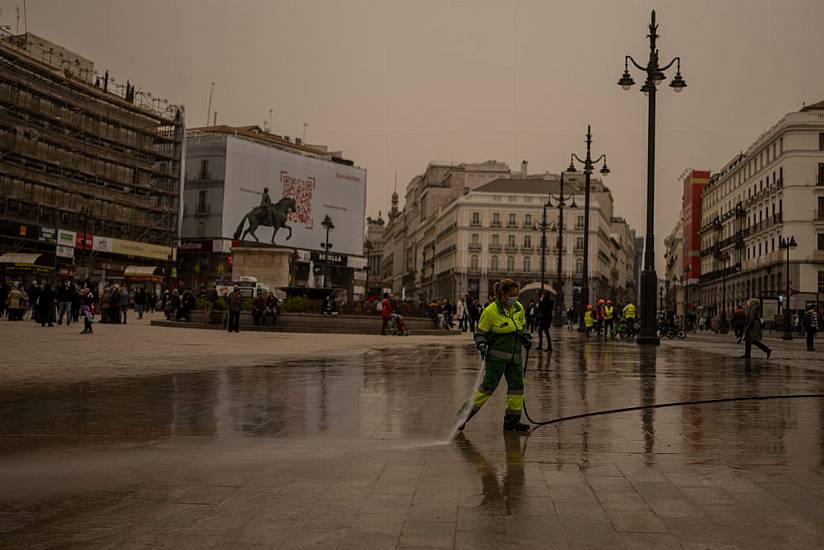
x=19 y=261
x=143 y=273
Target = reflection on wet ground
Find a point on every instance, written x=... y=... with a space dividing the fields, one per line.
x=354 y=453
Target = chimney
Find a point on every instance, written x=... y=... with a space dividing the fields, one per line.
x=523 y=169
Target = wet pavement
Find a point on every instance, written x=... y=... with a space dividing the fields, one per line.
x=356 y=453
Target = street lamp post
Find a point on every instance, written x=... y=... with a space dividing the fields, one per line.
x=654 y=75
x=559 y=285
x=543 y=226
x=723 y=325
x=687 y=271
x=327 y=246
x=787 y=244
x=368 y=247
x=588 y=164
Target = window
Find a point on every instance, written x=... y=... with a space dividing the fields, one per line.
x=528 y=220
x=820 y=179
x=476 y=218
x=781 y=145
x=821 y=142
x=527 y=241
x=202 y=205
x=821 y=241
x=512 y=221
x=512 y=198
x=473 y=262
x=579 y=265
x=527 y=264
x=579 y=222
x=510 y=263
x=201 y=230
x=496 y=239
x=510 y=241
x=773 y=244
x=579 y=243
x=821 y=281
x=475 y=239
x=204 y=170
x=493 y=263
x=496 y=219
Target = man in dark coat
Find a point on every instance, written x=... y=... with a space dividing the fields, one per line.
x=753 y=332
x=545 y=307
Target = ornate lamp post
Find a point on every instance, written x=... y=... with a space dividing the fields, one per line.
x=654 y=76
x=327 y=246
x=560 y=201
x=588 y=165
x=787 y=244
x=687 y=271
x=723 y=257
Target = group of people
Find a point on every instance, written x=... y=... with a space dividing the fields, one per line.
x=601 y=319
x=49 y=305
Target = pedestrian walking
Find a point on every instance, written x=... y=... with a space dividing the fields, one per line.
x=460 y=312
x=570 y=316
x=140 y=301
x=753 y=331
x=88 y=311
x=64 y=302
x=545 y=307
x=16 y=301
x=474 y=315
x=386 y=312
x=811 y=326
x=235 y=303
x=589 y=320
x=609 y=321
x=123 y=305
x=45 y=306
x=500 y=338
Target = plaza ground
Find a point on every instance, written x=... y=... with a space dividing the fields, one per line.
x=149 y=437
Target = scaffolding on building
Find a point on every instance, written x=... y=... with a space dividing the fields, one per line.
x=77 y=155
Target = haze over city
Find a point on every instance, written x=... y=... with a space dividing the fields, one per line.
x=396 y=84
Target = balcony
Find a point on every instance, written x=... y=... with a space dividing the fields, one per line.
x=512 y=248
x=495 y=223
x=527 y=224
x=495 y=248
x=527 y=248
x=474 y=246
x=512 y=225
x=474 y=224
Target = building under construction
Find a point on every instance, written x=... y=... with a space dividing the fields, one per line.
x=90 y=169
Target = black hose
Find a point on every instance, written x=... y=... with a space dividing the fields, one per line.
x=663 y=405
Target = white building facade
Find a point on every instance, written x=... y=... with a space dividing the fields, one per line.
x=492 y=231
x=774 y=190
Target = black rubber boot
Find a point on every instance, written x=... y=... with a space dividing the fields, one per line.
x=512 y=423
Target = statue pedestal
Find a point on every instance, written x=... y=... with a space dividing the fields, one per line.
x=268 y=265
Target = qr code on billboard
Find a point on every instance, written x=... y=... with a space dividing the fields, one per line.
x=301 y=190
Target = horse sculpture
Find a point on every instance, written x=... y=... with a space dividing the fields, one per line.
x=276 y=218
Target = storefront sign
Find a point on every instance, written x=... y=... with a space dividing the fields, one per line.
x=328 y=259
x=65 y=251
x=84 y=244
x=144 y=250
x=48 y=234
x=195 y=246
x=66 y=238
x=102 y=244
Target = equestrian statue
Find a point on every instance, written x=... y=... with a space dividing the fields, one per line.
x=267 y=214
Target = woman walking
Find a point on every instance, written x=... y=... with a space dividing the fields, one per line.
x=500 y=337
x=753 y=332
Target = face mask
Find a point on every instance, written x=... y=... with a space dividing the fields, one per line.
x=510 y=301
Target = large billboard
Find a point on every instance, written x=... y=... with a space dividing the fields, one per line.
x=317 y=189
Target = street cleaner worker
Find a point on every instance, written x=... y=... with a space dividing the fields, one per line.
x=588 y=322
x=501 y=339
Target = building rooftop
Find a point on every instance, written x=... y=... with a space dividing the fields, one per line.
x=814 y=107
x=255 y=133
x=531 y=185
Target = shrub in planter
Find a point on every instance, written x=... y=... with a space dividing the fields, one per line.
x=296 y=304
